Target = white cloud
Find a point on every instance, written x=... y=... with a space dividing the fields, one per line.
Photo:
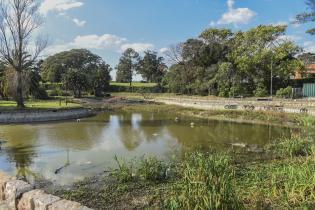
x=236 y=15
x=309 y=46
x=106 y=41
x=164 y=50
x=58 y=5
x=103 y=42
x=293 y=38
x=280 y=23
x=78 y=22
x=139 y=47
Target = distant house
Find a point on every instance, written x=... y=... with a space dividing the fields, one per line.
x=308 y=73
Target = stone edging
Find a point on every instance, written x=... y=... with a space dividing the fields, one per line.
x=33 y=116
x=19 y=195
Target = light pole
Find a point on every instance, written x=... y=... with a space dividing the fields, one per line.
x=271 y=67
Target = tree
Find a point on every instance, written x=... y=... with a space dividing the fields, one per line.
x=101 y=79
x=127 y=66
x=77 y=81
x=75 y=67
x=151 y=67
x=309 y=16
x=19 y=19
x=56 y=66
x=3 y=82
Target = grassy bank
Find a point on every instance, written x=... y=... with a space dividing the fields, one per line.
x=283 y=180
x=32 y=104
x=242 y=116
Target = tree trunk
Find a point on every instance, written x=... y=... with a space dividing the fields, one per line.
x=19 y=91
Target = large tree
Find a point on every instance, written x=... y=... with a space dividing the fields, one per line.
x=56 y=66
x=152 y=67
x=18 y=49
x=127 y=66
x=79 y=69
x=308 y=16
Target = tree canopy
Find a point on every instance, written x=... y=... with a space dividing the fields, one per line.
x=79 y=69
x=127 y=66
x=308 y=16
x=223 y=63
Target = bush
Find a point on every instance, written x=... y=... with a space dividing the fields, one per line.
x=285 y=92
x=260 y=91
x=291 y=147
x=206 y=182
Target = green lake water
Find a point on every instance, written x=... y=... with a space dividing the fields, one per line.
x=87 y=148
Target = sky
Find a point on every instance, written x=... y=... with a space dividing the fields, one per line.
x=107 y=27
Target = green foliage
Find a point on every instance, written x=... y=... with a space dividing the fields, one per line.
x=285 y=184
x=206 y=182
x=79 y=70
x=291 y=147
x=77 y=81
x=309 y=16
x=151 y=67
x=261 y=91
x=224 y=63
x=285 y=92
x=152 y=169
x=127 y=66
x=124 y=173
x=306 y=120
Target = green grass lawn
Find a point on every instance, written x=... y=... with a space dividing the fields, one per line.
x=134 y=84
x=49 y=104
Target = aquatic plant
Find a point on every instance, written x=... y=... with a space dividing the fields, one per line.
x=152 y=169
x=206 y=182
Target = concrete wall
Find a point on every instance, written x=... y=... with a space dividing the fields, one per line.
x=19 y=195
x=30 y=116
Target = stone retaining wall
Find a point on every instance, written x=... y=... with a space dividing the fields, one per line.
x=30 y=116
x=19 y=195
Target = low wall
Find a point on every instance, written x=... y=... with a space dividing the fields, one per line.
x=19 y=195
x=30 y=116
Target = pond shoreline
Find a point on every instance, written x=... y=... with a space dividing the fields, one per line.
x=43 y=115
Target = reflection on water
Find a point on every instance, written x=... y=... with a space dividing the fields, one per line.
x=76 y=150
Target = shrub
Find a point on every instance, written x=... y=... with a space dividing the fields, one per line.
x=260 y=91
x=285 y=92
x=206 y=182
x=291 y=147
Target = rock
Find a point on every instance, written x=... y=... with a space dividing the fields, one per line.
x=3 y=180
x=13 y=190
x=27 y=200
x=43 y=201
x=65 y=204
x=4 y=206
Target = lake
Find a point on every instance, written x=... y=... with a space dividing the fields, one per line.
x=87 y=148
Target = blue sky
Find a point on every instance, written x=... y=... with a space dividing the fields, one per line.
x=107 y=27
